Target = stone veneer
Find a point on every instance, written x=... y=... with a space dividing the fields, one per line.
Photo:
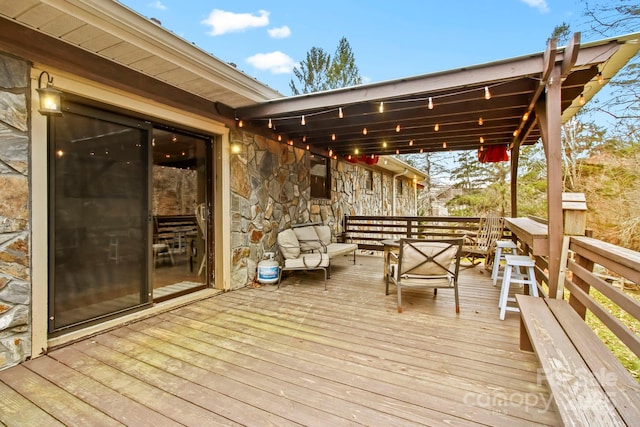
x=270 y=190
x=15 y=280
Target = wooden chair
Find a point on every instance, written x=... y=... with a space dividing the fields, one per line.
x=424 y=263
x=482 y=246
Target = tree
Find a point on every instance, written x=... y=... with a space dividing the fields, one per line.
x=607 y=18
x=320 y=72
x=579 y=139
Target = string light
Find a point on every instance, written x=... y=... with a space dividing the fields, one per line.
x=487 y=94
x=411 y=143
x=340 y=114
x=270 y=124
x=308 y=147
x=481 y=140
x=384 y=144
x=381 y=108
x=515 y=132
x=421 y=150
x=398 y=128
x=525 y=116
x=303 y=121
x=600 y=78
x=304 y=138
x=430 y=104
x=279 y=137
x=582 y=100
x=357 y=151
x=240 y=124
x=436 y=127
x=333 y=136
x=444 y=145
x=397 y=151
x=364 y=131
x=482 y=148
x=480 y=121
x=330 y=152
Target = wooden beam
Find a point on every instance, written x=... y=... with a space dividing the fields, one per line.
x=515 y=157
x=570 y=54
x=549 y=114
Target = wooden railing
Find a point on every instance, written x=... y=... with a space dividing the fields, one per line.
x=368 y=231
x=585 y=254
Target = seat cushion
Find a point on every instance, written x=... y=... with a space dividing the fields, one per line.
x=335 y=249
x=311 y=260
x=413 y=260
x=324 y=233
x=308 y=238
x=289 y=245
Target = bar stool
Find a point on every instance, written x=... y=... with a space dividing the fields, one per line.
x=511 y=276
x=501 y=247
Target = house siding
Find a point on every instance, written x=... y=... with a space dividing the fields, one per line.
x=270 y=190
x=15 y=277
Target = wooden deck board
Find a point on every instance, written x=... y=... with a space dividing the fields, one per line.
x=297 y=355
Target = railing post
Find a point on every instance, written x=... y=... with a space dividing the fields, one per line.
x=573 y=301
x=574 y=215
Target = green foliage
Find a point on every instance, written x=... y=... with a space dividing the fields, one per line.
x=319 y=71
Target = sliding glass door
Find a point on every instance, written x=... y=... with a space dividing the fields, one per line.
x=99 y=219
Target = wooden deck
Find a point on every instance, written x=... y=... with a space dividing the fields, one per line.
x=295 y=356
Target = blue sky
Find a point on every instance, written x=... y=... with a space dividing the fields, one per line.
x=390 y=39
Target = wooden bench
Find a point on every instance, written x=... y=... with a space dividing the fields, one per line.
x=589 y=385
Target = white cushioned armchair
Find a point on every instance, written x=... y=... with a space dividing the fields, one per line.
x=310 y=247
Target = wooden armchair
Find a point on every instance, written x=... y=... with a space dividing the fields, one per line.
x=482 y=245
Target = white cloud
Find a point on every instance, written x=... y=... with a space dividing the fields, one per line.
x=541 y=5
x=279 y=33
x=276 y=62
x=158 y=5
x=223 y=22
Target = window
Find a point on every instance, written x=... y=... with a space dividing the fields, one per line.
x=320 y=178
x=368 y=177
x=399 y=186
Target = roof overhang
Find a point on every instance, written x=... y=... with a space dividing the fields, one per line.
x=116 y=33
x=461 y=118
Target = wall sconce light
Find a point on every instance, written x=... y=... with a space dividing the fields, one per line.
x=49 y=97
x=236 y=148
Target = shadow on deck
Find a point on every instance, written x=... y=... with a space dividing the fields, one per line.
x=295 y=356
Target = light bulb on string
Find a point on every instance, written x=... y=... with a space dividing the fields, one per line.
x=356 y=151
x=381 y=108
x=333 y=136
x=384 y=144
x=304 y=138
x=398 y=128
x=600 y=78
x=397 y=151
x=303 y=121
x=270 y=124
x=421 y=150
x=240 y=124
x=525 y=116
x=480 y=121
x=330 y=152
x=411 y=143
x=582 y=100
x=481 y=140
x=364 y=131
x=487 y=94
x=515 y=132
x=340 y=114
x=279 y=137
x=444 y=145
x=430 y=104
x=436 y=127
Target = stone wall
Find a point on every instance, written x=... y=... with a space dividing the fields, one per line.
x=15 y=280
x=270 y=190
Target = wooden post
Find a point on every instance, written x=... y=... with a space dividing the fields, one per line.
x=515 y=157
x=549 y=113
